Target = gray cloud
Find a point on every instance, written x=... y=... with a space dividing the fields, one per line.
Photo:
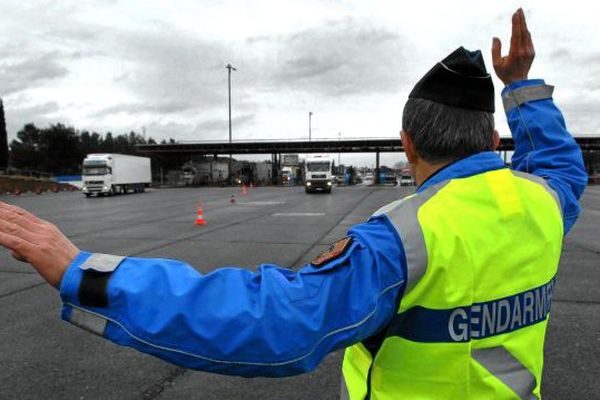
x=172 y=69
x=338 y=58
x=157 y=107
x=16 y=117
x=221 y=125
x=31 y=72
x=212 y=128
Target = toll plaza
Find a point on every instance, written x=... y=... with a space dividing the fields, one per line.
x=590 y=146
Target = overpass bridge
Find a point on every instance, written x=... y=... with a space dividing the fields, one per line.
x=293 y=146
x=588 y=143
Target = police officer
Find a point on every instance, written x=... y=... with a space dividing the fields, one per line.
x=442 y=295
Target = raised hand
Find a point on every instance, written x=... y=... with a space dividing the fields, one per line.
x=37 y=242
x=515 y=66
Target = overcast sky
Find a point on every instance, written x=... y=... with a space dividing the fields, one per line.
x=125 y=65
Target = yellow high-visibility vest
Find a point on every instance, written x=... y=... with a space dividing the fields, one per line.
x=482 y=254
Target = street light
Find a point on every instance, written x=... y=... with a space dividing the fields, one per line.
x=310 y=114
x=229 y=68
x=339 y=140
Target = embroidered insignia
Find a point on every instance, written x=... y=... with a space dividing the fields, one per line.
x=334 y=251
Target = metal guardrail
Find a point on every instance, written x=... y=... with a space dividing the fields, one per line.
x=24 y=173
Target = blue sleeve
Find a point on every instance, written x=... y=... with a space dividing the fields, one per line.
x=543 y=146
x=272 y=322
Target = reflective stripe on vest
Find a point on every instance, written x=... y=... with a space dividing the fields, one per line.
x=481 y=254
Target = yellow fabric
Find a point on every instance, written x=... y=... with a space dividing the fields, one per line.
x=487 y=237
x=357 y=361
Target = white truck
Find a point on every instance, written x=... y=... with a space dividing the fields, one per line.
x=317 y=174
x=109 y=174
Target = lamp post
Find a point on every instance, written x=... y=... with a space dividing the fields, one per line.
x=229 y=69
x=310 y=114
x=339 y=153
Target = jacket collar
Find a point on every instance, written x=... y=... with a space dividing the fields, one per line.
x=472 y=165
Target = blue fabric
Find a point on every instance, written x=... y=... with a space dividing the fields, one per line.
x=544 y=147
x=273 y=322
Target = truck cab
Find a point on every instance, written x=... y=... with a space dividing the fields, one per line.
x=317 y=174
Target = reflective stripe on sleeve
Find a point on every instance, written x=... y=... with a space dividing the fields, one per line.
x=90 y=322
x=504 y=366
x=522 y=95
x=102 y=262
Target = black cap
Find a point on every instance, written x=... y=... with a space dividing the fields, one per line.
x=459 y=80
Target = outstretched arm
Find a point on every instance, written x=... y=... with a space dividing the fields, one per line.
x=543 y=146
x=272 y=322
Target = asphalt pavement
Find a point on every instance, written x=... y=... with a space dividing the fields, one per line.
x=43 y=357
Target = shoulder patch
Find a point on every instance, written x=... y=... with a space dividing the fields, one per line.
x=335 y=250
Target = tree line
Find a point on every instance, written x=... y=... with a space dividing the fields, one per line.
x=60 y=149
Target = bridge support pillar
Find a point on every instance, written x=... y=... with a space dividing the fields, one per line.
x=376 y=177
x=274 y=168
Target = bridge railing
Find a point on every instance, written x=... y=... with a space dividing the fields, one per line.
x=10 y=171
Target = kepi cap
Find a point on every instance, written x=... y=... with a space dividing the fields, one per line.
x=459 y=80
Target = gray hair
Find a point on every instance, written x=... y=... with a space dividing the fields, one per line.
x=442 y=133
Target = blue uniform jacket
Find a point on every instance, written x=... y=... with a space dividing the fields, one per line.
x=279 y=322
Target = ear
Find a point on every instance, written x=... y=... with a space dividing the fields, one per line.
x=409 y=148
x=496 y=140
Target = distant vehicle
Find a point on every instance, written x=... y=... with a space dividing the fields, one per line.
x=189 y=174
x=318 y=175
x=406 y=180
x=109 y=174
x=387 y=177
x=369 y=176
x=287 y=175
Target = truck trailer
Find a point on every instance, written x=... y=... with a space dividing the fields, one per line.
x=110 y=174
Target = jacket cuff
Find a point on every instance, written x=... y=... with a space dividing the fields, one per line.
x=69 y=285
x=520 y=92
x=84 y=290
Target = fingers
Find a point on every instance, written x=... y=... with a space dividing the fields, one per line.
x=496 y=51
x=21 y=232
x=15 y=244
x=526 y=35
x=19 y=216
x=515 y=38
x=17 y=256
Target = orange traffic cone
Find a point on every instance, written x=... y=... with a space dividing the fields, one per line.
x=244 y=190
x=232 y=199
x=200 y=216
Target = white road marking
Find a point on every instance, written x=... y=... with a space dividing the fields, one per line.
x=298 y=214
x=261 y=203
